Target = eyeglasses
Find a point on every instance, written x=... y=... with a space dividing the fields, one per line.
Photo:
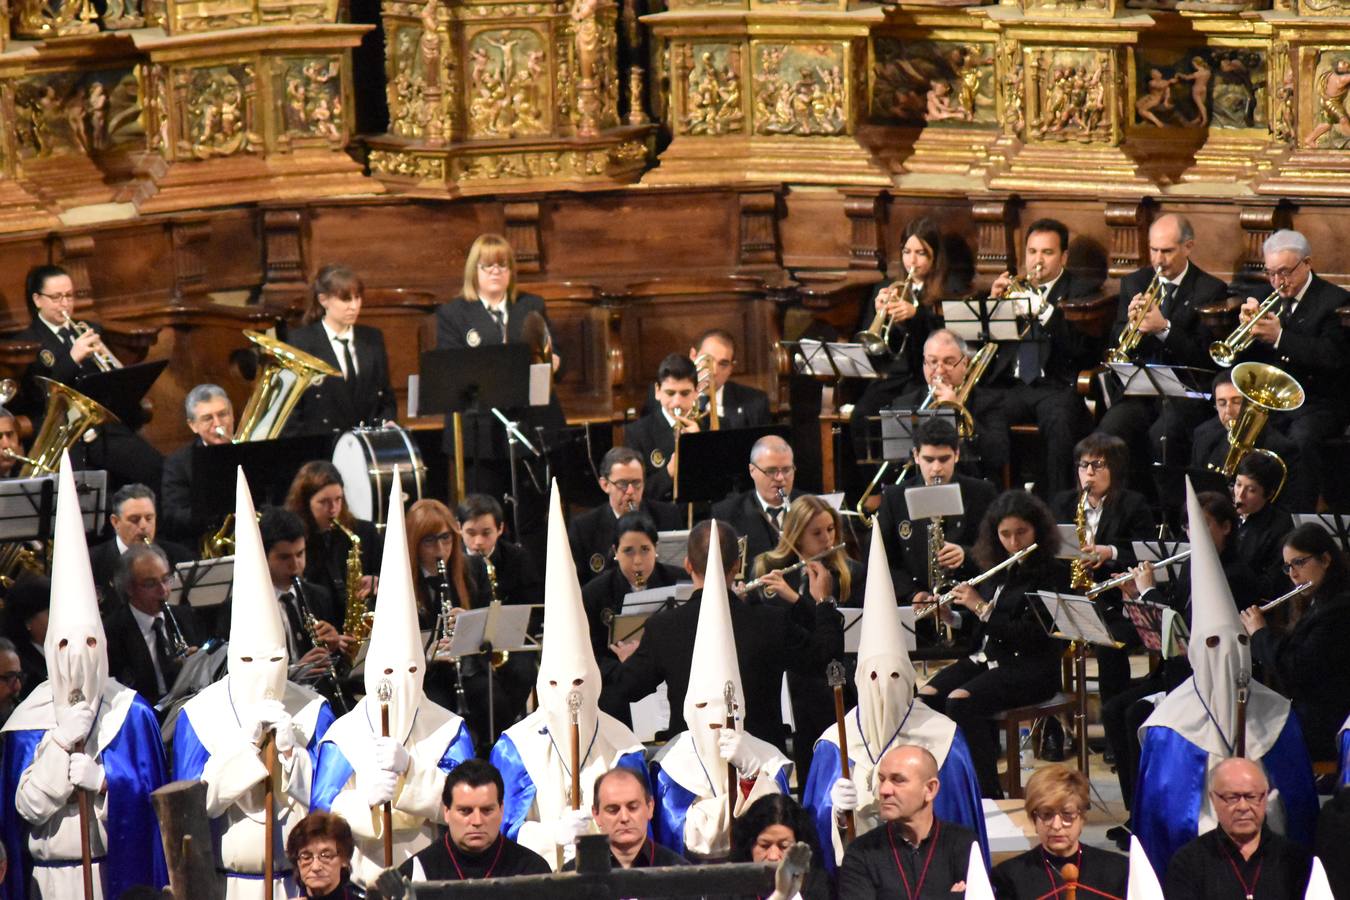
x=15 y=678
x=627 y=484
x=168 y=582
x=1048 y=816
x=498 y=268
x=441 y=538
x=306 y=858
x=59 y=298
x=1282 y=274
x=776 y=471
x=1298 y=562
x=1233 y=799
x=1096 y=465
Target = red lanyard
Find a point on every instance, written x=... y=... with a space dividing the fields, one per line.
x=1248 y=890
x=923 y=873
x=1050 y=871
x=449 y=848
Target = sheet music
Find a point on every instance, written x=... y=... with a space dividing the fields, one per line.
x=672 y=547
x=203 y=582
x=1068 y=543
x=1153 y=551
x=851 y=361
x=933 y=501
x=835 y=501
x=811 y=359
x=1076 y=619
x=1152 y=380
x=1147 y=619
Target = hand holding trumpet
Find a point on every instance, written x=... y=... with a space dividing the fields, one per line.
x=890 y=302
x=1267 y=328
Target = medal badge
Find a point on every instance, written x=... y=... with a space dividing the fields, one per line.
x=597 y=563
x=473 y=338
x=658 y=459
x=906 y=529
x=48 y=358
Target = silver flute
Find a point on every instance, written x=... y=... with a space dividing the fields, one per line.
x=949 y=596
x=759 y=582
x=1298 y=591
x=1123 y=577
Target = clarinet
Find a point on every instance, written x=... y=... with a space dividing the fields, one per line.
x=448 y=628
x=329 y=669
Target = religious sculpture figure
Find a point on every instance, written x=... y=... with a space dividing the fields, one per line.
x=1332 y=87
x=1159 y=96
x=586 y=30
x=1199 y=79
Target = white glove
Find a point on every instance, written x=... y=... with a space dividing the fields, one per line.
x=377 y=788
x=390 y=755
x=73 y=724
x=286 y=734
x=731 y=747
x=571 y=825
x=85 y=772
x=259 y=718
x=844 y=795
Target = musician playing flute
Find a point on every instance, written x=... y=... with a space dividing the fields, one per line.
x=221 y=732
x=79 y=732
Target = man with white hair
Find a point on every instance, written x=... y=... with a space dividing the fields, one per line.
x=79 y=736
x=1194 y=727
x=210 y=418
x=221 y=732
x=758 y=514
x=1304 y=337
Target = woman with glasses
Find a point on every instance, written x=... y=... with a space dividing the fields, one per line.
x=1306 y=661
x=329 y=332
x=317 y=496
x=320 y=848
x=1015 y=661
x=491 y=311
x=1057 y=803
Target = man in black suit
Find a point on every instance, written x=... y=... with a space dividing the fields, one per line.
x=1262 y=525
x=593 y=534
x=65 y=357
x=210 y=417
x=1173 y=334
x=482 y=525
x=936 y=456
x=738 y=405
x=652 y=437
x=758 y=513
x=132 y=514
x=1040 y=372
x=147 y=640
x=1307 y=341
x=946 y=360
x=1210 y=446
x=769 y=642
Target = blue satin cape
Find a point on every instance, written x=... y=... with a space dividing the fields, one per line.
x=332 y=770
x=1171 y=790
x=133 y=764
x=672 y=805
x=189 y=756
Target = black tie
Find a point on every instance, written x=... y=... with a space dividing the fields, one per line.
x=1169 y=294
x=500 y=318
x=347 y=355
x=293 y=620
x=67 y=337
x=168 y=668
x=1029 y=360
x=775 y=516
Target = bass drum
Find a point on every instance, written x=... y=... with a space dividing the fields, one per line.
x=366 y=458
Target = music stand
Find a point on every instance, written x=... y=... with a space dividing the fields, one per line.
x=672 y=547
x=898 y=427
x=1166 y=382
x=982 y=319
x=269 y=466
x=934 y=501
x=121 y=390
x=203 y=582
x=492 y=628
x=1154 y=551
x=27 y=505
x=1068 y=543
x=810 y=358
x=1079 y=621
x=1338 y=526
x=639 y=606
x=574 y=459
x=708 y=461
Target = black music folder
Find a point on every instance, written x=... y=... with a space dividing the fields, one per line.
x=474 y=380
x=270 y=467
x=714 y=464
x=120 y=391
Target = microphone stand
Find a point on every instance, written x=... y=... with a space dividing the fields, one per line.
x=514 y=436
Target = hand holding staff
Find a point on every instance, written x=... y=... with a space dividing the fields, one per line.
x=385 y=691
x=834 y=673
x=733 y=780
x=269 y=756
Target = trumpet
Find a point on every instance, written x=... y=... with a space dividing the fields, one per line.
x=788 y=570
x=1116 y=581
x=178 y=645
x=948 y=596
x=1298 y=591
x=1130 y=335
x=876 y=338
x=1027 y=288
x=707 y=387
x=1225 y=351
x=103 y=358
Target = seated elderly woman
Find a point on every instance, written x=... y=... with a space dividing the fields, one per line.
x=320 y=850
x=766 y=831
x=1057 y=803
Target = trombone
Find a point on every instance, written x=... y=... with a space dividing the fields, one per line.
x=876 y=338
x=948 y=596
x=1225 y=351
x=1130 y=335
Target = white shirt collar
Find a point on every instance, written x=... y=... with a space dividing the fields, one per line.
x=121 y=547
x=54 y=329
x=1298 y=298
x=1050 y=285
x=145 y=622
x=333 y=336
x=499 y=306
x=763 y=504
x=1177 y=281
x=670 y=420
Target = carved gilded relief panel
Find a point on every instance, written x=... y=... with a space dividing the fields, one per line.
x=77 y=113
x=799 y=88
x=1070 y=95
x=404 y=78
x=1322 y=7
x=1200 y=87
x=942 y=83
x=1282 y=81
x=42 y=19
x=308 y=94
x=507 y=83
x=712 y=88
x=208 y=15
x=215 y=111
x=1324 y=86
x=1011 y=72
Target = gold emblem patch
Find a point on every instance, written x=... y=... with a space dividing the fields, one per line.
x=473 y=338
x=597 y=562
x=906 y=529
x=48 y=358
x=658 y=458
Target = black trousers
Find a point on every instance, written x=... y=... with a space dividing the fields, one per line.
x=1062 y=419
x=1011 y=684
x=1121 y=717
x=1308 y=427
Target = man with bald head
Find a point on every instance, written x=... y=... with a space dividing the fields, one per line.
x=1241 y=859
x=913 y=854
x=758 y=513
x=1172 y=334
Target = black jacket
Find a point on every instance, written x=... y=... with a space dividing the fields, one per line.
x=338 y=404
x=1016 y=631
x=1259 y=539
x=606 y=592
x=990 y=449
x=1314 y=347
x=592 y=533
x=326 y=557
x=1068 y=350
x=54 y=362
x=906 y=339
x=1125 y=519
x=518 y=578
x=462 y=324
x=907 y=542
x=769 y=642
x=129 y=659
x=742 y=406
x=1203 y=869
x=652 y=439
x=1188 y=340
x=1210 y=446
x=1027 y=875
x=103 y=561
x=751 y=522
x=175 y=498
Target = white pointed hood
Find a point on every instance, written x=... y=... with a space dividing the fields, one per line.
x=1143 y=883
x=715 y=665
x=257 y=656
x=1319 y=887
x=885 y=674
x=1203 y=709
x=395 y=653
x=76 y=647
x=978 y=886
x=566 y=661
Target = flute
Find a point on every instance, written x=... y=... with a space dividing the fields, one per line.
x=1298 y=591
x=949 y=596
x=1123 y=577
x=797 y=566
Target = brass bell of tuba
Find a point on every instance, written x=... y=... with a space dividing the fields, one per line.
x=1264 y=389
x=286 y=374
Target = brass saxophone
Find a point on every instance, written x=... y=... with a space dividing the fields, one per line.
x=498 y=658
x=357 y=616
x=1080 y=573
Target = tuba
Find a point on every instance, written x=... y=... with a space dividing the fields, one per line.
x=286 y=374
x=1225 y=351
x=1130 y=335
x=1264 y=389
x=876 y=339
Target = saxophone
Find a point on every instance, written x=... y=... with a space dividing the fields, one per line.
x=356 y=618
x=498 y=658
x=1080 y=573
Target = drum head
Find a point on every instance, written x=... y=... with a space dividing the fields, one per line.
x=353 y=457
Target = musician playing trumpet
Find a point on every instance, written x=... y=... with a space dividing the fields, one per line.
x=1303 y=337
